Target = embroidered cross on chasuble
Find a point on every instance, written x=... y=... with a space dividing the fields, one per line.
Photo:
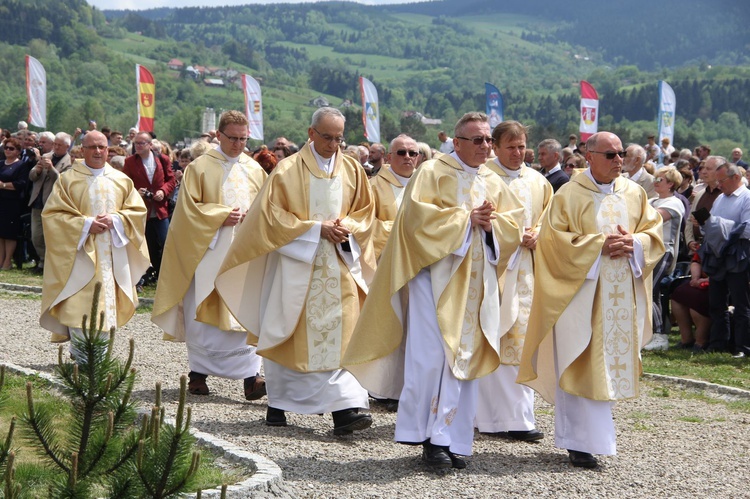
x=617 y=300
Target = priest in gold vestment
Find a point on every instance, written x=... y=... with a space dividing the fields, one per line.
x=591 y=310
x=297 y=273
x=94 y=223
x=217 y=190
x=458 y=225
x=505 y=407
x=388 y=187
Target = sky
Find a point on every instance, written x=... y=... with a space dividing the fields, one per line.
x=140 y=5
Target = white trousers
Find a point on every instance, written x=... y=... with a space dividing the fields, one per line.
x=216 y=352
x=503 y=404
x=583 y=424
x=434 y=405
x=312 y=393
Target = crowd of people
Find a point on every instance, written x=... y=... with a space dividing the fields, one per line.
x=452 y=284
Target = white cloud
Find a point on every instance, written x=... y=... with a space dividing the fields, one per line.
x=139 y=5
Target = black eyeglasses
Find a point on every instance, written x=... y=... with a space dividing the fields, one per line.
x=329 y=138
x=477 y=141
x=10 y=148
x=570 y=165
x=234 y=140
x=404 y=152
x=610 y=155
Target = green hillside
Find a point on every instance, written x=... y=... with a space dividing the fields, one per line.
x=431 y=57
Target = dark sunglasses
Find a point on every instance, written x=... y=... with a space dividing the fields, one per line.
x=477 y=141
x=570 y=165
x=10 y=148
x=611 y=155
x=403 y=152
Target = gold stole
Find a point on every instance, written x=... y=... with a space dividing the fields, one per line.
x=471 y=194
x=323 y=310
x=519 y=284
x=617 y=299
x=102 y=198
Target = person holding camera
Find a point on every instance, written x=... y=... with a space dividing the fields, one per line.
x=153 y=177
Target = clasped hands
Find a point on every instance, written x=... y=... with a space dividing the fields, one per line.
x=619 y=244
x=101 y=224
x=234 y=217
x=482 y=216
x=333 y=231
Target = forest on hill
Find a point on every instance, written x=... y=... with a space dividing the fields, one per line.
x=430 y=57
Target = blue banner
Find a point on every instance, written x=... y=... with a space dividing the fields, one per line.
x=494 y=107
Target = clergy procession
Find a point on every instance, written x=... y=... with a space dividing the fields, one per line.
x=452 y=285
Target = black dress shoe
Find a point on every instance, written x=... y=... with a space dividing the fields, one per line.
x=275 y=417
x=520 y=435
x=348 y=421
x=255 y=387
x=457 y=461
x=197 y=383
x=436 y=457
x=582 y=459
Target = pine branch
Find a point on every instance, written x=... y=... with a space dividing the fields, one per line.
x=42 y=430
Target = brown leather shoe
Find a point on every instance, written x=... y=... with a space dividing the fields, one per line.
x=197 y=383
x=255 y=387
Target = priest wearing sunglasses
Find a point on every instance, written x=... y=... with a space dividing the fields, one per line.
x=388 y=187
x=591 y=312
x=420 y=338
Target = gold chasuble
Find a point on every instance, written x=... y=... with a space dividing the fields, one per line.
x=599 y=324
x=211 y=188
x=301 y=313
x=71 y=274
x=387 y=193
x=430 y=226
x=535 y=193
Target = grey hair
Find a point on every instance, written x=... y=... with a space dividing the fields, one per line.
x=731 y=168
x=720 y=161
x=469 y=118
x=65 y=137
x=639 y=152
x=425 y=149
x=320 y=113
x=47 y=135
x=550 y=145
x=685 y=153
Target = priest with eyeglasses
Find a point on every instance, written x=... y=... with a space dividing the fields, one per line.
x=298 y=272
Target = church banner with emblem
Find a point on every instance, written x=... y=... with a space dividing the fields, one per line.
x=667 y=104
x=253 y=106
x=370 y=111
x=589 y=110
x=146 y=98
x=494 y=105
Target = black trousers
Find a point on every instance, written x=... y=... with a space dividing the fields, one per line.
x=737 y=286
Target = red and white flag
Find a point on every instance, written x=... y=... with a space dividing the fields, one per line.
x=589 y=111
x=146 y=98
x=36 y=90
x=253 y=106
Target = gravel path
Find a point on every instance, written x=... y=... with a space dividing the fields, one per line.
x=670 y=442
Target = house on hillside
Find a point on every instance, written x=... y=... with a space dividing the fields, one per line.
x=213 y=82
x=192 y=72
x=422 y=118
x=319 y=101
x=176 y=65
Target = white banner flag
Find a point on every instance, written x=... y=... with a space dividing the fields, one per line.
x=253 y=106
x=667 y=104
x=36 y=90
x=370 y=111
x=589 y=111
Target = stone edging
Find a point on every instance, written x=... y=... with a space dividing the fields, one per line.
x=710 y=389
x=266 y=476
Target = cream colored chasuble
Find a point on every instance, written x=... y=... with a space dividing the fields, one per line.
x=612 y=292
x=235 y=190
x=483 y=303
